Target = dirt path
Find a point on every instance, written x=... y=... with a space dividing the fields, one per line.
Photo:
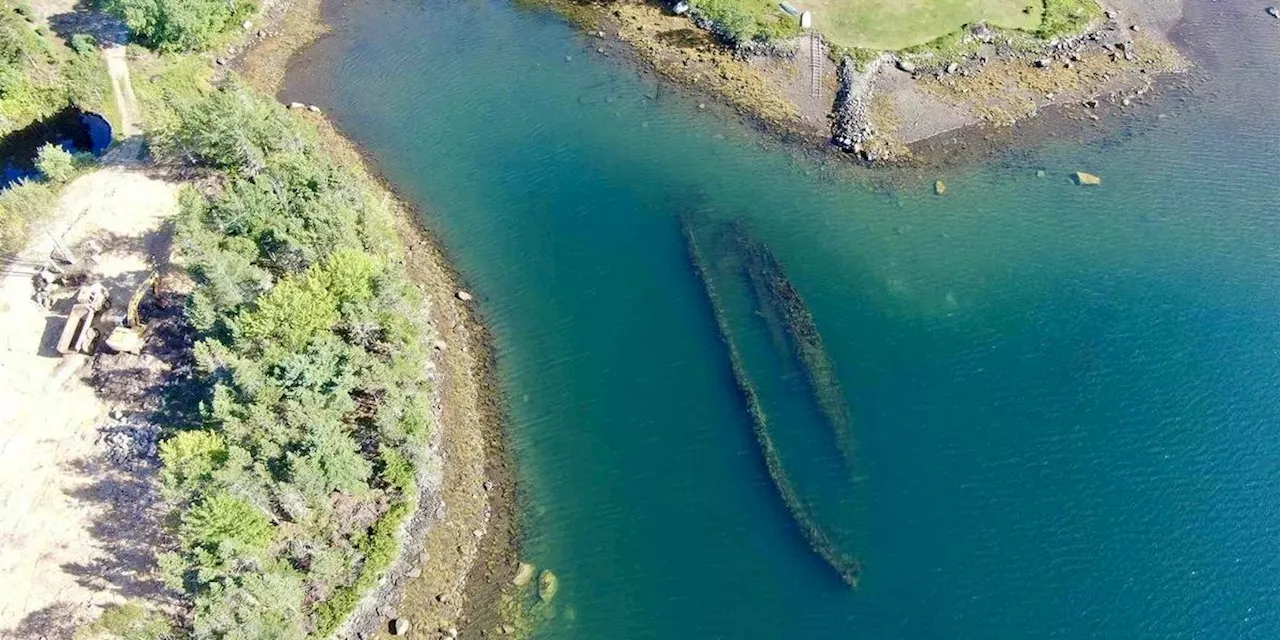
x=126 y=103
x=61 y=538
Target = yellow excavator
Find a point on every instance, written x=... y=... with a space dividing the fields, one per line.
x=129 y=335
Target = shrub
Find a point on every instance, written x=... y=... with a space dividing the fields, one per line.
x=190 y=458
x=20 y=205
x=128 y=621
x=83 y=43
x=57 y=164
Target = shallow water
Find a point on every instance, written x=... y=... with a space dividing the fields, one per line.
x=1064 y=399
x=72 y=129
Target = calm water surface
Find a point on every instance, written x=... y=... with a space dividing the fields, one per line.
x=1066 y=401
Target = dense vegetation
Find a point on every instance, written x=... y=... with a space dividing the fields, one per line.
x=180 y=25
x=294 y=474
x=39 y=75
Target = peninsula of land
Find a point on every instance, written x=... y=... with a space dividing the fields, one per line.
x=873 y=78
x=277 y=416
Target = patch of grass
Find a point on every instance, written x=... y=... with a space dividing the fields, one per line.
x=892 y=25
x=749 y=20
x=952 y=46
x=161 y=81
x=861 y=57
x=933 y=27
x=1067 y=17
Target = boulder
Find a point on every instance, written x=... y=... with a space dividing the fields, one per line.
x=1043 y=62
x=906 y=66
x=1273 y=12
x=952 y=68
x=464 y=296
x=398 y=627
x=297 y=105
x=548 y=585
x=939 y=187
x=1087 y=179
x=313 y=109
x=523 y=574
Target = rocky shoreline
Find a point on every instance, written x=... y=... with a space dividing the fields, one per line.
x=896 y=105
x=460 y=540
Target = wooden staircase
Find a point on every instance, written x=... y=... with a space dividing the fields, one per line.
x=816 y=60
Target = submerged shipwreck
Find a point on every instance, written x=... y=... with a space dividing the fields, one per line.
x=750 y=297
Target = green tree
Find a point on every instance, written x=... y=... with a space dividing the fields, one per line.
x=57 y=164
x=223 y=521
x=179 y=25
x=290 y=314
x=190 y=458
x=252 y=606
x=349 y=274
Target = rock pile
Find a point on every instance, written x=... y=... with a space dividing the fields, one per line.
x=851 y=128
x=130 y=442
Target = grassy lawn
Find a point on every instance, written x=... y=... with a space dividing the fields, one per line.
x=894 y=25
x=898 y=24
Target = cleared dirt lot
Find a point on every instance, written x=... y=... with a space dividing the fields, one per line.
x=76 y=527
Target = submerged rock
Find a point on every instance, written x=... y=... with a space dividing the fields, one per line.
x=1087 y=179
x=939 y=187
x=523 y=574
x=548 y=585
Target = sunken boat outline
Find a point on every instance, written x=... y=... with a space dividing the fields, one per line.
x=775 y=290
x=846 y=566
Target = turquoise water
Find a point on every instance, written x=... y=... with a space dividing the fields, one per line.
x=1065 y=400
